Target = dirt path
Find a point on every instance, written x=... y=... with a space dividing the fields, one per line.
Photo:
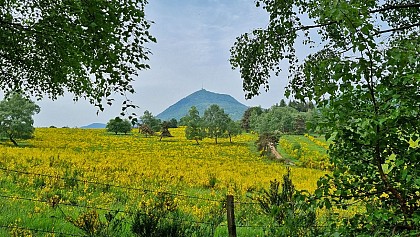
x=278 y=156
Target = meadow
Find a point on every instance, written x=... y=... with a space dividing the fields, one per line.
x=65 y=179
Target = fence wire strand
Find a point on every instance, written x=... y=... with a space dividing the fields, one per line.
x=113 y=185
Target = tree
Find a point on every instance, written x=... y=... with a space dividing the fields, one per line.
x=173 y=123
x=282 y=103
x=215 y=121
x=367 y=73
x=194 y=123
x=150 y=120
x=276 y=119
x=233 y=129
x=16 y=120
x=245 y=121
x=91 y=49
x=117 y=125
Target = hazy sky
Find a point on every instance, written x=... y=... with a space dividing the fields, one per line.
x=192 y=51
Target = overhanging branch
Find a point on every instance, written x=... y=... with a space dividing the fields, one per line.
x=395 y=7
x=397 y=29
x=382 y=9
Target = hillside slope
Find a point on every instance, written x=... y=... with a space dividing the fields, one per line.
x=202 y=99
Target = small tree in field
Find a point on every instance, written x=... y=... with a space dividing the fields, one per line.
x=233 y=129
x=215 y=121
x=194 y=130
x=151 y=121
x=16 y=119
x=119 y=125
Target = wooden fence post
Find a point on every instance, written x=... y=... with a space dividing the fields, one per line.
x=231 y=216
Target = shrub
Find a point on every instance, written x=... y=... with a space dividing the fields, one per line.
x=292 y=211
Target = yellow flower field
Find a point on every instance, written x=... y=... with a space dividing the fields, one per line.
x=131 y=160
x=130 y=169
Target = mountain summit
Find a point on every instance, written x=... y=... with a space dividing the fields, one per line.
x=202 y=99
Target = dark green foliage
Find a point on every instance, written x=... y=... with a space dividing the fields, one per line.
x=290 y=209
x=91 y=49
x=173 y=123
x=16 y=120
x=282 y=103
x=245 y=121
x=366 y=75
x=300 y=106
x=118 y=125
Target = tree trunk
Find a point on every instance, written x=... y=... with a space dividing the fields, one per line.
x=13 y=140
x=215 y=138
x=196 y=140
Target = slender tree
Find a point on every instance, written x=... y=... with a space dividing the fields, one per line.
x=195 y=130
x=233 y=129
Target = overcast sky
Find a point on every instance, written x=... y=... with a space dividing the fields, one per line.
x=192 y=51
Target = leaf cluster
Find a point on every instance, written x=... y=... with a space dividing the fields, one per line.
x=91 y=49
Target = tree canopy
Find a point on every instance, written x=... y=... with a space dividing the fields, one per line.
x=194 y=125
x=91 y=49
x=16 y=120
x=215 y=121
x=117 y=125
x=148 y=119
x=364 y=67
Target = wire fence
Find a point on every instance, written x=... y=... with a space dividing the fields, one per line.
x=58 y=203
x=123 y=187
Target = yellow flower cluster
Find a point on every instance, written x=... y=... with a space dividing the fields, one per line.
x=318 y=142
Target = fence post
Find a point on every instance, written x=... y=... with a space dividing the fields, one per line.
x=231 y=216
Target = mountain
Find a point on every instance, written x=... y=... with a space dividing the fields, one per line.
x=94 y=125
x=202 y=99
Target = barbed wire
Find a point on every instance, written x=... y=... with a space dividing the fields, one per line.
x=113 y=185
x=52 y=204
